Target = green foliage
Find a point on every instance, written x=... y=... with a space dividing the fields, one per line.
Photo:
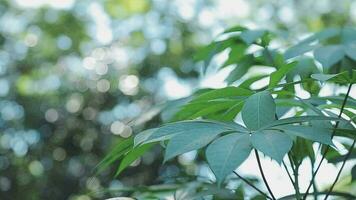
x=209 y=117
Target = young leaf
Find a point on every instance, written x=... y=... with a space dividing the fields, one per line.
x=272 y=143
x=132 y=155
x=321 y=135
x=329 y=55
x=194 y=138
x=227 y=153
x=258 y=110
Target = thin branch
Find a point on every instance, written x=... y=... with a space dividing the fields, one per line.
x=339 y=194
x=289 y=175
x=340 y=170
x=327 y=148
x=263 y=175
x=250 y=184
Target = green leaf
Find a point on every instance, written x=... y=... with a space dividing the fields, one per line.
x=258 y=110
x=132 y=155
x=348 y=35
x=236 y=54
x=323 y=77
x=342 y=78
x=240 y=70
x=194 y=137
x=143 y=136
x=329 y=55
x=251 y=36
x=322 y=35
x=223 y=93
x=353 y=173
x=235 y=29
x=298 y=50
x=350 y=50
x=300 y=119
x=277 y=76
x=119 y=150
x=184 y=127
x=272 y=143
x=226 y=153
x=321 y=135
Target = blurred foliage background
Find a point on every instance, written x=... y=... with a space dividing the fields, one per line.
x=77 y=76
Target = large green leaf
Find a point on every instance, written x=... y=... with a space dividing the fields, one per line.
x=192 y=139
x=184 y=127
x=258 y=110
x=227 y=153
x=322 y=135
x=329 y=55
x=274 y=144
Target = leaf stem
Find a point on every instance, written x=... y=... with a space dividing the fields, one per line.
x=327 y=148
x=340 y=170
x=250 y=184
x=263 y=175
x=296 y=180
x=288 y=173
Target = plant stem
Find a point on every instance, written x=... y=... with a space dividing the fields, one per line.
x=263 y=175
x=250 y=184
x=327 y=148
x=296 y=180
x=290 y=177
x=339 y=194
x=342 y=167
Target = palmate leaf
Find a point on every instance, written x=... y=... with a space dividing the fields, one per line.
x=272 y=143
x=259 y=110
x=227 y=153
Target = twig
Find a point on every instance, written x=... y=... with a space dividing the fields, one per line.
x=342 y=167
x=263 y=175
x=250 y=184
